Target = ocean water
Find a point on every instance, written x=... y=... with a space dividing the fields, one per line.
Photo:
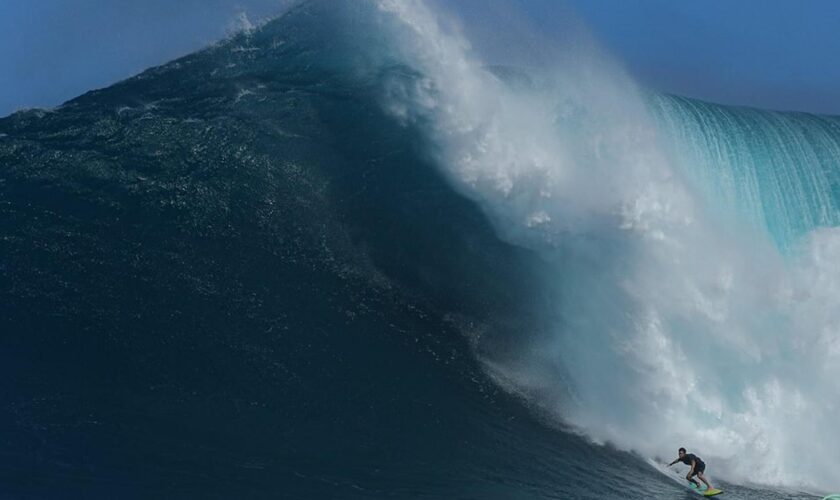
x=345 y=255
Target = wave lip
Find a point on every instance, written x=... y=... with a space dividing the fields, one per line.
x=780 y=171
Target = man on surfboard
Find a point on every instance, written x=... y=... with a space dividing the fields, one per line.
x=698 y=467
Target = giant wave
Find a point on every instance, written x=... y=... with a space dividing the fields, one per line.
x=307 y=259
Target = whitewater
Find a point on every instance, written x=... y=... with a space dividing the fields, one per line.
x=695 y=247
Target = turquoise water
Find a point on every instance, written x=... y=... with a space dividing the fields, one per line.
x=780 y=171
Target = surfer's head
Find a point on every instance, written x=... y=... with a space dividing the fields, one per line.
x=681 y=451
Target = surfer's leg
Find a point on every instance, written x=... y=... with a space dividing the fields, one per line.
x=692 y=481
x=703 y=478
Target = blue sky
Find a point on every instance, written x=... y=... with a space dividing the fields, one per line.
x=780 y=54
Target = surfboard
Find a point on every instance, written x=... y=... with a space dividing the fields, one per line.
x=702 y=490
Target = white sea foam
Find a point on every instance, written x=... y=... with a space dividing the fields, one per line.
x=678 y=328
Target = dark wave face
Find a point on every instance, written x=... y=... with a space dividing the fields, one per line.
x=252 y=273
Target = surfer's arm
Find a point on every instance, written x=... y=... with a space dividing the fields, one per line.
x=672 y=463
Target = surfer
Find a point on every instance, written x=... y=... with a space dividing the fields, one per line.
x=698 y=467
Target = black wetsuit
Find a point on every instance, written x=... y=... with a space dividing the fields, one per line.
x=699 y=465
